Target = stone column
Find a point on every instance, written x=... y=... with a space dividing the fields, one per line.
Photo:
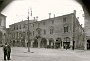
x=25 y=43
x=71 y=43
x=85 y=44
x=39 y=40
x=54 y=42
x=20 y=43
x=47 y=42
x=32 y=44
x=62 y=42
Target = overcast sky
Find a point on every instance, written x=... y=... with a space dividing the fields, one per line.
x=18 y=9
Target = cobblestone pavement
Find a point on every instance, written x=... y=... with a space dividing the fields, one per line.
x=41 y=54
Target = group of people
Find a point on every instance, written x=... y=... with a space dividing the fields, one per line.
x=7 y=51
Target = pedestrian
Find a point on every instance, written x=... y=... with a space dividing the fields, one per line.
x=8 y=51
x=5 y=51
x=66 y=46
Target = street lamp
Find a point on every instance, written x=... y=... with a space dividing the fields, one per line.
x=28 y=30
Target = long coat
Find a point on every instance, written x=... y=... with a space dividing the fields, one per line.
x=8 y=48
x=5 y=49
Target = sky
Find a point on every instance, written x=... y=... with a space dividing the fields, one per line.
x=17 y=10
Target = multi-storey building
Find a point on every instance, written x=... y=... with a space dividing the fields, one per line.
x=54 y=32
x=2 y=29
x=87 y=29
x=16 y=34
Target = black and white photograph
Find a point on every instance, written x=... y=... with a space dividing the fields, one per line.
x=44 y=30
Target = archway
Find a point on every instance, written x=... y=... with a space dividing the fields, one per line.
x=18 y=43
x=88 y=44
x=0 y=37
x=58 y=43
x=66 y=42
x=51 y=42
x=43 y=43
x=23 y=42
x=13 y=42
x=35 y=43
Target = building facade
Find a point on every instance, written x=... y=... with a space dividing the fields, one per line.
x=87 y=29
x=2 y=29
x=58 y=32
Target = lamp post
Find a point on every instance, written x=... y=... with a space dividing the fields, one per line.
x=28 y=33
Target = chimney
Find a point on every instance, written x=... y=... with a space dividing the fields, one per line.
x=54 y=15
x=34 y=18
x=49 y=15
x=81 y=24
x=74 y=11
x=22 y=20
x=78 y=18
x=37 y=18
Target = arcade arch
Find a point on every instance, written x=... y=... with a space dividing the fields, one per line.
x=51 y=42
x=13 y=42
x=0 y=37
x=88 y=44
x=66 y=42
x=58 y=43
x=43 y=43
x=23 y=42
x=35 y=43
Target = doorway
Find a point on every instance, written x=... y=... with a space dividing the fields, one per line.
x=88 y=44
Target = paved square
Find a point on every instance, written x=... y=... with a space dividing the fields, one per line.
x=41 y=54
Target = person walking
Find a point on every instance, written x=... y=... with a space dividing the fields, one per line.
x=5 y=50
x=8 y=51
x=66 y=46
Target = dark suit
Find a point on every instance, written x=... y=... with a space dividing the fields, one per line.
x=5 y=51
x=8 y=52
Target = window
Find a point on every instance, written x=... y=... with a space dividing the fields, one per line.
x=33 y=25
x=64 y=19
x=43 y=23
x=66 y=39
x=65 y=29
x=52 y=21
x=39 y=32
x=17 y=35
x=44 y=32
x=14 y=27
x=33 y=33
x=20 y=26
x=14 y=35
x=38 y=24
x=17 y=27
x=23 y=25
x=51 y=30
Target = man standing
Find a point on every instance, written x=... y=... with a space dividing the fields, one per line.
x=8 y=51
x=5 y=50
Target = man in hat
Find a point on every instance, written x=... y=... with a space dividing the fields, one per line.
x=8 y=51
x=5 y=50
